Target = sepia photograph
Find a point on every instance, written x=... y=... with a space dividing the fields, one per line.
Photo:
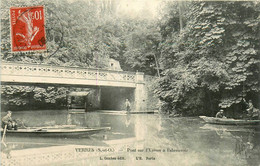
x=130 y=82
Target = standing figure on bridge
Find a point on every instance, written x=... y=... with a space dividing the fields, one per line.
x=127 y=105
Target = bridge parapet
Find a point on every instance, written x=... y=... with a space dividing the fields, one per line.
x=22 y=73
x=23 y=69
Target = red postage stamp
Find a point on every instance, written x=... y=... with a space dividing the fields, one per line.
x=27 y=28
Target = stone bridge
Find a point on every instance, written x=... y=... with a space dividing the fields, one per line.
x=36 y=74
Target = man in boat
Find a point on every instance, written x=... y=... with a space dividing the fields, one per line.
x=220 y=114
x=253 y=113
x=7 y=121
x=127 y=105
x=250 y=108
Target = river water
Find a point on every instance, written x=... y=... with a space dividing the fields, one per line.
x=166 y=141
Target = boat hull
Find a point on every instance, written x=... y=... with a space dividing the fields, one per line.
x=42 y=132
x=226 y=121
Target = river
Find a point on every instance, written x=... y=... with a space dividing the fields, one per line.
x=164 y=140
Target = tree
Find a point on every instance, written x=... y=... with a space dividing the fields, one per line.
x=217 y=54
x=82 y=34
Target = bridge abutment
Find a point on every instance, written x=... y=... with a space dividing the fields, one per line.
x=140 y=93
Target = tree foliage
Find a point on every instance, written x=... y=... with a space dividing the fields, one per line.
x=214 y=61
x=31 y=97
x=80 y=33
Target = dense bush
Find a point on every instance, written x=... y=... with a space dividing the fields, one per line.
x=214 y=60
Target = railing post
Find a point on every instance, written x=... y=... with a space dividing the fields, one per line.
x=85 y=75
x=76 y=73
x=23 y=68
x=118 y=76
x=37 y=68
x=64 y=73
x=139 y=77
x=51 y=71
x=97 y=75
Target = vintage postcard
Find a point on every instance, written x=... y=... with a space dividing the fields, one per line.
x=130 y=82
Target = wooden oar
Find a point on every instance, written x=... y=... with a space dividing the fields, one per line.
x=59 y=126
x=52 y=127
x=4 y=135
x=39 y=129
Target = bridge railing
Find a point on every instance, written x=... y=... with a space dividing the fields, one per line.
x=42 y=70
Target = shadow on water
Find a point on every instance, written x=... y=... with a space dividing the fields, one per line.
x=200 y=143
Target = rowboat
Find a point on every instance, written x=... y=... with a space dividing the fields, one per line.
x=55 y=132
x=228 y=121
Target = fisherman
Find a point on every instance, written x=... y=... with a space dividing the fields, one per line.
x=127 y=105
x=220 y=114
x=253 y=113
x=7 y=121
x=250 y=108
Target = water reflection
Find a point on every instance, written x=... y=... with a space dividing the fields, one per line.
x=140 y=127
x=127 y=120
x=69 y=121
x=247 y=140
x=7 y=148
x=205 y=143
x=247 y=146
